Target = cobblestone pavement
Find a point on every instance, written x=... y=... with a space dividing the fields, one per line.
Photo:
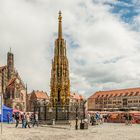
x=100 y=132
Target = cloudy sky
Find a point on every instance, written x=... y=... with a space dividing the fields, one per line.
x=103 y=41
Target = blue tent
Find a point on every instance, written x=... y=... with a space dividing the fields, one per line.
x=5 y=111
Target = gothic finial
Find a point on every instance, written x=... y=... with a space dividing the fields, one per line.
x=26 y=87
x=10 y=49
x=59 y=13
x=60 y=25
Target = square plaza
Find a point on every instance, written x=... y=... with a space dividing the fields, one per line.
x=106 y=131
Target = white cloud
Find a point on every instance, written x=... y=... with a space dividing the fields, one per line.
x=103 y=51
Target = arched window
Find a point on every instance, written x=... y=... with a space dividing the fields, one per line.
x=8 y=94
x=13 y=96
x=17 y=94
x=21 y=96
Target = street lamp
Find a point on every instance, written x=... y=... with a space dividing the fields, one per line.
x=84 y=102
x=56 y=111
x=67 y=112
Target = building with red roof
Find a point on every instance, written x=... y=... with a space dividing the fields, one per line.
x=37 y=98
x=39 y=101
x=115 y=99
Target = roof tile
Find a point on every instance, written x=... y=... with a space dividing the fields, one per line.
x=117 y=93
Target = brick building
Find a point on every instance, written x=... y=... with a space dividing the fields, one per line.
x=11 y=86
x=39 y=101
x=36 y=98
x=124 y=99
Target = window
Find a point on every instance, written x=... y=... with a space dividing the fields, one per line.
x=129 y=101
x=109 y=102
x=136 y=94
x=105 y=102
x=135 y=101
x=7 y=94
x=41 y=109
x=107 y=95
x=13 y=95
x=96 y=101
x=124 y=102
x=21 y=96
x=131 y=93
x=126 y=94
x=17 y=94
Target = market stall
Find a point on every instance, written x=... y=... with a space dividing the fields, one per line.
x=5 y=111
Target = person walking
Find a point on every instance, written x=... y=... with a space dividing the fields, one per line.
x=93 y=120
x=13 y=118
x=32 y=119
x=17 y=119
x=97 y=116
x=101 y=119
x=23 y=120
x=126 y=116
x=8 y=117
x=89 y=118
x=35 y=120
x=129 y=119
x=27 y=120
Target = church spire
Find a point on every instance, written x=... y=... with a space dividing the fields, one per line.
x=60 y=87
x=60 y=25
x=10 y=50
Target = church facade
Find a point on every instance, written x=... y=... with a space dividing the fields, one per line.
x=11 y=85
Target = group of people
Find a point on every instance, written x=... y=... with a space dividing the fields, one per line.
x=26 y=119
x=128 y=119
x=96 y=119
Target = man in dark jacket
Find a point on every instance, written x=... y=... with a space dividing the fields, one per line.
x=17 y=118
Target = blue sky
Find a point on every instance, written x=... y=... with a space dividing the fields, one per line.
x=126 y=8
